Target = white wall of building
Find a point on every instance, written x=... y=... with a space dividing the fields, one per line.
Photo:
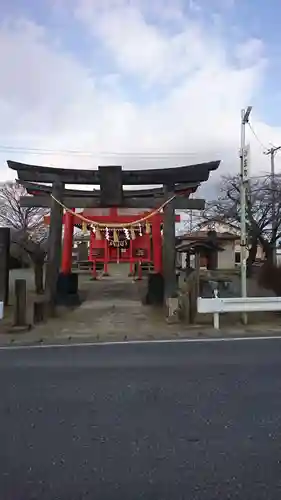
x=226 y=258
x=260 y=253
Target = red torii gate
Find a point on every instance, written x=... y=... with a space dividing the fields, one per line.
x=101 y=250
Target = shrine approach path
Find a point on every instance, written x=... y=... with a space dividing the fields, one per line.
x=113 y=310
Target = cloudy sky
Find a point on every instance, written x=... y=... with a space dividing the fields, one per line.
x=138 y=82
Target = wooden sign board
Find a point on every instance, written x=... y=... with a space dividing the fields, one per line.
x=120 y=244
x=111 y=187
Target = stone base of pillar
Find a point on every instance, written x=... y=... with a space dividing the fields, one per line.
x=19 y=329
x=67 y=290
x=172 y=310
x=155 y=290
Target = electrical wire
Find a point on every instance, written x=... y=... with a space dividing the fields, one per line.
x=257 y=137
x=106 y=154
x=76 y=152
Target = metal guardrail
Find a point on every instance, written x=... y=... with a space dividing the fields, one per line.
x=217 y=305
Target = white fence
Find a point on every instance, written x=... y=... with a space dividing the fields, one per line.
x=219 y=305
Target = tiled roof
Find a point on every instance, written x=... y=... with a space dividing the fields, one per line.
x=203 y=235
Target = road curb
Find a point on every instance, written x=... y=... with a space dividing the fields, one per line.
x=196 y=335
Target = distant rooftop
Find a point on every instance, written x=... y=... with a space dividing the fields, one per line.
x=205 y=235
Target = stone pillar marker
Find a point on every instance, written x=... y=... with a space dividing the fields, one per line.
x=20 y=304
x=4 y=264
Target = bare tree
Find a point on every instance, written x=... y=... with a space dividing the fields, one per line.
x=28 y=231
x=261 y=230
x=191 y=220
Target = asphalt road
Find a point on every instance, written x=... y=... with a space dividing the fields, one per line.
x=153 y=421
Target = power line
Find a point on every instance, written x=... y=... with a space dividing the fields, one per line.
x=77 y=152
x=257 y=137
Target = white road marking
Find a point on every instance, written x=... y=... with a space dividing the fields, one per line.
x=137 y=342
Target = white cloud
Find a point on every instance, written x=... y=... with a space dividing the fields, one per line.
x=143 y=49
x=50 y=99
x=250 y=52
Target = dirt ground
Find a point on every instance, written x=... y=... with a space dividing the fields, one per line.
x=113 y=309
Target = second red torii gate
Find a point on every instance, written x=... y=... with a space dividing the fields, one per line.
x=113 y=217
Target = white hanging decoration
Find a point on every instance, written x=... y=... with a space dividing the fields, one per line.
x=127 y=234
x=140 y=230
x=106 y=233
x=93 y=228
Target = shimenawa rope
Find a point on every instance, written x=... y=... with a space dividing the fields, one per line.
x=111 y=225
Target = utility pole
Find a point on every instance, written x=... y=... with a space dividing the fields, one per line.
x=243 y=186
x=272 y=152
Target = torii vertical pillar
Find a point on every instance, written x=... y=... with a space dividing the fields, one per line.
x=157 y=244
x=169 y=246
x=66 y=263
x=54 y=245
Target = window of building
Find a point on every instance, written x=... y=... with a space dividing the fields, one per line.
x=237 y=258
